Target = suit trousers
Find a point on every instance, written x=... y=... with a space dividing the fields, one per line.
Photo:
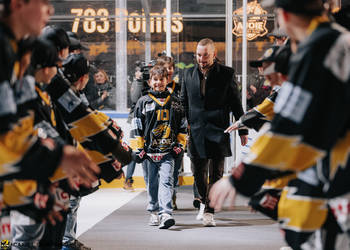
x=200 y=168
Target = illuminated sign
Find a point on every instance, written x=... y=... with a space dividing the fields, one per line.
x=98 y=20
x=256 y=25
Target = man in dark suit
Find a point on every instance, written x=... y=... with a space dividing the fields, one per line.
x=209 y=93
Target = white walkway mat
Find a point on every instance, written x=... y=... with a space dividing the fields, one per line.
x=96 y=206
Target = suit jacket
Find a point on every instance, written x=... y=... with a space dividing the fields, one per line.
x=208 y=115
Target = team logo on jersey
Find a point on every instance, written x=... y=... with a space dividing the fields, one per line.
x=161 y=131
x=161 y=136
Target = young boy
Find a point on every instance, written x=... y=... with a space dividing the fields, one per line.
x=158 y=133
x=175 y=89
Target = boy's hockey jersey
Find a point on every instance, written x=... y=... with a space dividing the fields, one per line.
x=158 y=125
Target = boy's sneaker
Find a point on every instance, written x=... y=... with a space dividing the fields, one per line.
x=196 y=202
x=75 y=245
x=208 y=220
x=128 y=185
x=166 y=221
x=201 y=211
x=154 y=219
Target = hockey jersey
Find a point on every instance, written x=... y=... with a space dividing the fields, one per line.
x=22 y=153
x=310 y=131
x=19 y=194
x=96 y=132
x=257 y=116
x=158 y=125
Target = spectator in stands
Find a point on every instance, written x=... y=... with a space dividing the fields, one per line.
x=103 y=94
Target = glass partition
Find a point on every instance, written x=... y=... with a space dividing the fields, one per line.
x=122 y=35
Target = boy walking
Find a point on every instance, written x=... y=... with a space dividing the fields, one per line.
x=159 y=134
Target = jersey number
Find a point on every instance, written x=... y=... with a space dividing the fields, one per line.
x=163 y=115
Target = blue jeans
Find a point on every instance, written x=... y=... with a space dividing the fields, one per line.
x=26 y=233
x=161 y=185
x=130 y=171
x=145 y=165
x=71 y=226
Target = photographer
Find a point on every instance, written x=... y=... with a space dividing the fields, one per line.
x=139 y=85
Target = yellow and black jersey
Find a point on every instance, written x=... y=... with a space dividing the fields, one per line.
x=257 y=116
x=310 y=123
x=310 y=126
x=310 y=131
x=22 y=153
x=48 y=119
x=158 y=125
x=19 y=193
x=96 y=132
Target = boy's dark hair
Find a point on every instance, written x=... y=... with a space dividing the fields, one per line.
x=26 y=45
x=158 y=70
x=57 y=36
x=162 y=60
x=75 y=66
x=44 y=55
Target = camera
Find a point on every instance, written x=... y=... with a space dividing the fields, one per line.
x=145 y=68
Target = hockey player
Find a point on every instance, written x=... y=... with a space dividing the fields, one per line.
x=158 y=133
x=97 y=133
x=22 y=153
x=257 y=116
x=27 y=218
x=303 y=136
x=274 y=64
